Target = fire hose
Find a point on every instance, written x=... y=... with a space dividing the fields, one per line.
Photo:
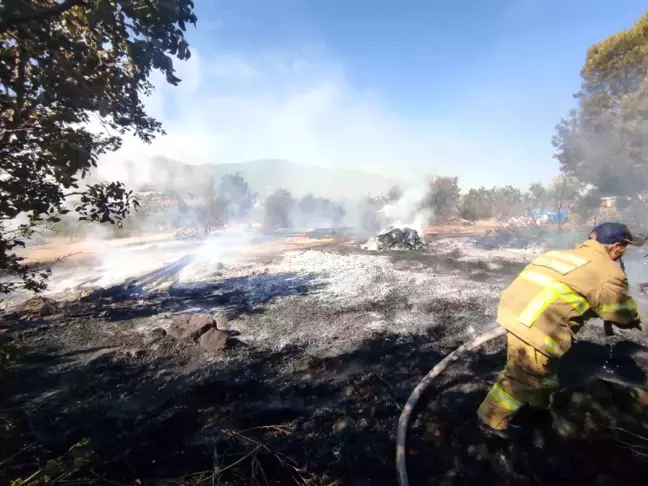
x=403 y=421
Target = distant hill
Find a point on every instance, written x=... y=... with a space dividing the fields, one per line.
x=263 y=176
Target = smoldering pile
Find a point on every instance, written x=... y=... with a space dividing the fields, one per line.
x=395 y=239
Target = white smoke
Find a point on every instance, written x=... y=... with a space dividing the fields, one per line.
x=408 y=211
x=113 y=262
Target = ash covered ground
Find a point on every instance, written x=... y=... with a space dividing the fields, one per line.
x=327 y=341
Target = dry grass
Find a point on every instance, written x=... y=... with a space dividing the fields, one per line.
x=85 y=250
x=88 y=250
x=476 y=229
x=249 y=467
x=283 y=244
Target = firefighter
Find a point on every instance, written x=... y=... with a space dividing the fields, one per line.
x=544 y=307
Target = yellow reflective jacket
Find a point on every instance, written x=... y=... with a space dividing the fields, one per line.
x=559 y=291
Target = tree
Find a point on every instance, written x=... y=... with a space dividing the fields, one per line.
x=476 y=204
x=312 y=210
x=70 y=227
x=538 y=194
x=394 y=194
x=235 y=192
x=368 y=213
x=564 y=191
x=278 y=209
x=588 y=206
x=443 y=197
x=603 y=142
x=506 y=201
x=336 y=214
x=212 y=209
x=307 y=204
x=63 y=64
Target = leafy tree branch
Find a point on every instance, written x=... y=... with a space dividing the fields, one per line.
x=62 y=66
x=10 y=16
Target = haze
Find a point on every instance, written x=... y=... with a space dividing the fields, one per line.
x=472 y=89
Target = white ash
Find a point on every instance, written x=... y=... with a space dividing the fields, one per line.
x=352 y=277
x=325 y=300
x=339 y=311
x=468 y=251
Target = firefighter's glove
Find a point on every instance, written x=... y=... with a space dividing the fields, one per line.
x=608 y=327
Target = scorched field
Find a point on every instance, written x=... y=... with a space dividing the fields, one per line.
x=256 y=359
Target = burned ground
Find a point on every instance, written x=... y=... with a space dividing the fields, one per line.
x=332 y=342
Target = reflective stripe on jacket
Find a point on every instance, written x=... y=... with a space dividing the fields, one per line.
x=559 y=291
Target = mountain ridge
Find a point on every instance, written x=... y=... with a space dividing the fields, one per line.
x=267 y=175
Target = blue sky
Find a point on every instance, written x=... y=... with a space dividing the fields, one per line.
x=471 y=88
